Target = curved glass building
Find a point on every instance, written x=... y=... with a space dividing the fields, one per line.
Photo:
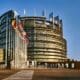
x=46 y=42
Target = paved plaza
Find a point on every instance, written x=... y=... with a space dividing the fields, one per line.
x=43 y=74
x=22 y=75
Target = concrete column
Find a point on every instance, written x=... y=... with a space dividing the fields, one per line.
x=73 y=65
x=45 y=65
x=27 y=64
x=67 y=65
x=56 y=65
x=59 y=65
x=53 y=65
x=33 y=63
x=62 y=65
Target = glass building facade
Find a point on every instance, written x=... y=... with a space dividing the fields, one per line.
x=46 y=39
x=7 y=36
x=15 y=50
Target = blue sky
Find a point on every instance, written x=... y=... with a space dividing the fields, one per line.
x=68 y=10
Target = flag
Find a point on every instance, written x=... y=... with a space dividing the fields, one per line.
x=15 y=14
x=43 y=13
x=61 y=21
x=25 y=37
x=24 y=11
x=14 y=24
x=61 y=24
x=56 y=20
x=51 y=15
x=18 y=26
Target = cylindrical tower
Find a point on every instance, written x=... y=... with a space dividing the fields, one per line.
x=46 y=42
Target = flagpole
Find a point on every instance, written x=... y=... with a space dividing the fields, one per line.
x=6 y=43
x=51 y=18
x=34 y=16
x=15 y=49
x=34 y=12
x=24 y=12
x=25 y=53
x=43 y=13
x=20 y=36
x=53 y=21
x=9 y=49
